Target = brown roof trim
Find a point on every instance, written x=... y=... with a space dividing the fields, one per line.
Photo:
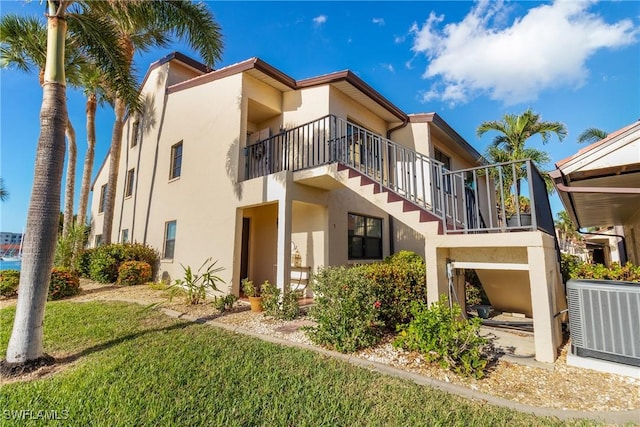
x=444 y=126
x=236 y=68
x=597 y=144
x=359 y=84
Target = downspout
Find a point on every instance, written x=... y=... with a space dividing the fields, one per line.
x=623 y=255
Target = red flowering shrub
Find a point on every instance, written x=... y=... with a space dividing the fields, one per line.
x=9 y=280
x=134 y=273
x=63 y=284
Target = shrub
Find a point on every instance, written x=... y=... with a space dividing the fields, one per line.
x=196 y=284
x=627 y=272
x=68 y=246
x=287 y=309
x=443 y=336
x=474 y=292
x=224 y=303
x=568 y=266
x=9 y=280
x=250 y=289
x=396 y=282
x=346 y=310
x=64 y=283
x=84 y=262
x=106 y=260
x=134 y=273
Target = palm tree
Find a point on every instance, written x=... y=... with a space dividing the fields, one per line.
x=510 y=143
x=591 y=135
x=4 y=194
x=98 y=39
x=568 y=231
x=23 y=46
x=152 y=24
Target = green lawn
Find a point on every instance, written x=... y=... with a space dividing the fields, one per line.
x=138 y=367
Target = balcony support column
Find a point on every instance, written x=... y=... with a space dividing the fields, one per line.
x=283 y=270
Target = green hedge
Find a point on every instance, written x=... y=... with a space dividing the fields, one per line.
x=104 y=261
x=627 y=272
x=64 y=283
x=9 y=280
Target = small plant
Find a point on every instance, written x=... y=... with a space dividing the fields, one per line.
x=443 y=336
x=9 y=281
x=286 y=309
x=224 y=303
x=524 y=205
x=133 y=273
x=250 y=289
x=64 y=283
x=66 y=248
x=196 y=284
x=346 y=310
x=627 y=272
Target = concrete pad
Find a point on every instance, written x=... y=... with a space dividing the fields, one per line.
x=603 y=366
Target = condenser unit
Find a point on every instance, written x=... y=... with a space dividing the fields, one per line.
x=604 y=320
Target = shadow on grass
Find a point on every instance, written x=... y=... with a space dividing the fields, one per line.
x=105 y=288
x=114 y=342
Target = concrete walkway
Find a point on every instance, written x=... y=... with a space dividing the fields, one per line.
x=609 y=417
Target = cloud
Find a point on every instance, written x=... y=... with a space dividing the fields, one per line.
x=398 y=39
x=481 y=55
x=319 y=20
x=378 y=21
x=388 y=67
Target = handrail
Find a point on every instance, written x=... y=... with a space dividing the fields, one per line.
x=472 y=200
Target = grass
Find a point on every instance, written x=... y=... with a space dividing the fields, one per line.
x=139 y=367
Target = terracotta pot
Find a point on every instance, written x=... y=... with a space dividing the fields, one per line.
x=256 y=304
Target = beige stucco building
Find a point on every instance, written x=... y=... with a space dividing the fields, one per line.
x=248 y=166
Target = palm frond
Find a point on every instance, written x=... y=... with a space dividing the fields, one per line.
x=592 y=135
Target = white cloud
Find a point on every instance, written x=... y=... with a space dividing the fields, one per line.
x=398 y=39
x=319 y=20
x=388 y=67
x=378 y=21
x=548 y=47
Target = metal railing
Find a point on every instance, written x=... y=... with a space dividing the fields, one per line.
x=480 y=199
x=499 y=197
x=330 y=139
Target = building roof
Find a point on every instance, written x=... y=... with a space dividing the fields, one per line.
x=598 y=185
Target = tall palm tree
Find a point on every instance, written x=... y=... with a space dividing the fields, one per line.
x=591 y=135
x=23 y=42
x=98 y=38
x=513 y=133
x=4 y=193
x=150 y=24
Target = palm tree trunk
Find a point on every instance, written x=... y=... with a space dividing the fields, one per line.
x=92 y=105
x=70 y=179
x=114 y=162
x=25 y=343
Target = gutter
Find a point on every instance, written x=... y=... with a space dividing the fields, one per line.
x=404 y=123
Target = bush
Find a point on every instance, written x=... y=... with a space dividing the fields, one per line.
x=106 y=260
x=443 y=336
x=473 y=290
x=84 y=262
x=133 y=273
x=396 y=282
x=568 y=266
x=224 y=303
x=64 y=283
x=9 y=280
x=287 y=309
x=627 y=272
x=346 y=310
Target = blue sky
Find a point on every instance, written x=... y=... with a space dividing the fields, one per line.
x=577 y=62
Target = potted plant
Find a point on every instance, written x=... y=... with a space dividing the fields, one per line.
x=253 y=293
x=521 y=211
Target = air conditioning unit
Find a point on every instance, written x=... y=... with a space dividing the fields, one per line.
x=604 y=320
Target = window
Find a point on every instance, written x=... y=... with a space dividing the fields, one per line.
x=135 y=133
x=98 y=240
x=169 y=239
x=446 y=161
x=103 y=198
x=365 y=237
x=128 y=189
x=125 y=236
x=176 y=161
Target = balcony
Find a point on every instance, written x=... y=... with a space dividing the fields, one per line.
x=484 y=199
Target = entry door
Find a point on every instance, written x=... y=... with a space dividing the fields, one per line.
x=244 y=256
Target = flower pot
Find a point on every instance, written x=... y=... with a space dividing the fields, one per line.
x=256 y=304
x=483 y=311
x=525 y=220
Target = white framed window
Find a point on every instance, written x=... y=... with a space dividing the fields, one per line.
x=135 y=133
x=124 y=236
x=103 y=198
x=131 y=176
